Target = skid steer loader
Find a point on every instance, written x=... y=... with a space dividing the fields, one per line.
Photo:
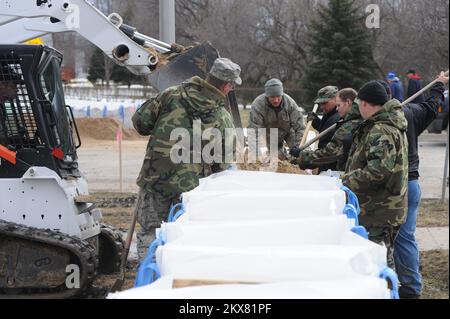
x=52 y=241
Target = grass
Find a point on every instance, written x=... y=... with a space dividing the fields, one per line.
x=245 y=115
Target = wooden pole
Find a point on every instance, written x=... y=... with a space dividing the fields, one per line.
x=318 y=137
x=308 y=127
x=120 y=133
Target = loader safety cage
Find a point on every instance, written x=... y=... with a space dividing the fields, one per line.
x=34 y=121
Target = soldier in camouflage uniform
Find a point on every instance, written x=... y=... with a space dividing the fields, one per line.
x=335 y=152
x=161 y=180
x=275 y=109
x=377 y=169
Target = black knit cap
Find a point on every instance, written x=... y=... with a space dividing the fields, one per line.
x=386 y=87
x=374 y=93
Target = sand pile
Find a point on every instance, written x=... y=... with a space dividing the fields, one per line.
x=283 y=167
x=103 y=129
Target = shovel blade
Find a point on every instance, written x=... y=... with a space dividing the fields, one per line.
x=196 y=61
x=117 y=285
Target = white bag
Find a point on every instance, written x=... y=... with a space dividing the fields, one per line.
x=272 y=263
x=355 y=288
x=262 y=205
x=246 y=180
x=311 y=231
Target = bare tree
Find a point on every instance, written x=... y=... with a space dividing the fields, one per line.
x=268 y=38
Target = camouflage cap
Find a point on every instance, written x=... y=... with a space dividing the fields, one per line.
x=224 y=69
x=325 y=94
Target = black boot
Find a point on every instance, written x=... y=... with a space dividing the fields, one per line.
x=407 y=294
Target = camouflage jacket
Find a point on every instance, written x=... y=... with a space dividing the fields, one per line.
x=333 y=152
x=177 y=108
x=288 y=120
x=377 y=169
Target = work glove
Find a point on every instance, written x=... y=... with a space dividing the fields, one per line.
x=295 y=151
x=311 y=117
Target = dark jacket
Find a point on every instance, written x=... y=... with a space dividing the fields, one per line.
x=419 y=117
x=321 y=125
x=414 y=86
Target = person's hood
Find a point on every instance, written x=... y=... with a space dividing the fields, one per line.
x=354 y=113
x=391 y=114
x=415 y=76
x=201 y=96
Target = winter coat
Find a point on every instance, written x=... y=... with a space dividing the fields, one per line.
x=414 y=86
x=419 y=117
x=176 y=109
x=377 y=169
x=397 y=90
x=288 y=119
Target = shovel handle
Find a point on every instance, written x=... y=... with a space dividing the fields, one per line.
x=126 y=249
x=121 y=278
x=308 y=127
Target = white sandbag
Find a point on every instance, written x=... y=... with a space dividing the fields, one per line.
x=358 y=287
x=270 y=264
x=246 y=180
x=311 y=231
x=259 y=205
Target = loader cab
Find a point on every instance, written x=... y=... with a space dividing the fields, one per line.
x=34 y=119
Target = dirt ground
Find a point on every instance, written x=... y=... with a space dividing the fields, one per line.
x=434 y=265
x=103 y=129
x=117 y=210
x=433 y=214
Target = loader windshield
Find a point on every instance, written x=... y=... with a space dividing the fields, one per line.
x=53 y=91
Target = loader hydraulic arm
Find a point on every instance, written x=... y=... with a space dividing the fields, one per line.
x=28 y=19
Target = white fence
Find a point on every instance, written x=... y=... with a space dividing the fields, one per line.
x=114 y=93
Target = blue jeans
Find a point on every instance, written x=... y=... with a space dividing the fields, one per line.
x=406 y=251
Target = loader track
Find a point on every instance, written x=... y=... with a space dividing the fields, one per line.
x=80 y=252
x=111 y=249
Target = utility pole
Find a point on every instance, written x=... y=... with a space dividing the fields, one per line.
x=167 y=21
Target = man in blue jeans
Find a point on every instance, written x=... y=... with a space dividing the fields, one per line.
x=406 y=251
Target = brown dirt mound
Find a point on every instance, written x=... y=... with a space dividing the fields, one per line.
x=103 y=129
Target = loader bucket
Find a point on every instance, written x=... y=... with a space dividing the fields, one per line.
x=197 y=60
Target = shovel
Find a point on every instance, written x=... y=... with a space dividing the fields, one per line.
x=121 y=279
x=308 y=127
x=197 y=60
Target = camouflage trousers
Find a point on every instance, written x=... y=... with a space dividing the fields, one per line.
x=385 y=236
x=152 y=210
